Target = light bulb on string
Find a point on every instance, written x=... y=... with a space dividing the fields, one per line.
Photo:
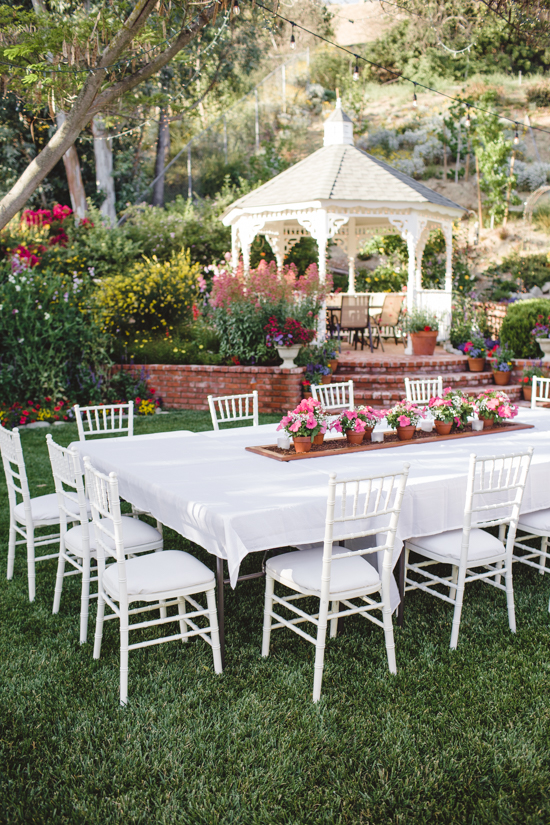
x=356 y=69
x=516 y=136
x=415 y=101
x=292 y=38
x=468 y=121
x=235 y=7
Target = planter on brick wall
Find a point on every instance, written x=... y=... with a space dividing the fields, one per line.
x=187 y=386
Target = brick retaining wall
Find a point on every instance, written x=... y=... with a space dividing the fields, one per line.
x=186 y=386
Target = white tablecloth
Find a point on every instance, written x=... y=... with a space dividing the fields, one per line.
x=208 y=488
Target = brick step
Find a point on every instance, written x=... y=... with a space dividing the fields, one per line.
x=397 y=381
x=384 y=398
x=420 y=366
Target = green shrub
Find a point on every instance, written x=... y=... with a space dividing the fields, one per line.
x=49 y=338
x=515 y=274
x=163 y=232
x=197 y=344
x=520 y=320
x=467 y=320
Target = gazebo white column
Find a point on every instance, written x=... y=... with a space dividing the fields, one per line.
x=234 y=245
x=447 y=229
x=352 y=251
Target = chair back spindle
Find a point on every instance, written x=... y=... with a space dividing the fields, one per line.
x=334 y=396
x=226 y=409
x=104 y=420
x=419 y=391
x=540 y=391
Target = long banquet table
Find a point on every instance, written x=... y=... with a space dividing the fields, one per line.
x=231 y=502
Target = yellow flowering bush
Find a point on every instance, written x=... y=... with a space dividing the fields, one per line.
x=152 y=296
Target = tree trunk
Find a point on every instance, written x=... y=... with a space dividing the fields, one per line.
x=104 y=168
x=74 y=176
x=91 y=100
x=163 y=147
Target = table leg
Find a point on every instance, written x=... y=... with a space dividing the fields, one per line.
x=221 y=616
x=401 y=586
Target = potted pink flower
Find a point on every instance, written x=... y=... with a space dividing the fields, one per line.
x=304 y=424
x=494 y=406
x=403 y=418
x=370 y=418
x=443 y=413
x=352 y=425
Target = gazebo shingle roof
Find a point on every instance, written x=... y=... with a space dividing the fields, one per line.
x=341 y=173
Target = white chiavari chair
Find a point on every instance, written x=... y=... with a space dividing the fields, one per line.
x=356 y=508
x=26 y=514
x=420 y=390
x=540 y=391
x=163 y=580
x=108 y=419
x=533 y=526
x=228 y=408
x=77 y=543
x=334 y=396
x=494 y=493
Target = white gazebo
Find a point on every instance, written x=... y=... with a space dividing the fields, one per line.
x=344 y=194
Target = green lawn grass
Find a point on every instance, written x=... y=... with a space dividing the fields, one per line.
x=455 y=737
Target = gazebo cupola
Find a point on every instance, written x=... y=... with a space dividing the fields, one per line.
x=343 y=194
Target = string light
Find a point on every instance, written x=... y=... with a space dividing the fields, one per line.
x=292 y=38
x=516 y=136
x=236 y=8
x=356 y=69
x=468 y=121
x=415 y=101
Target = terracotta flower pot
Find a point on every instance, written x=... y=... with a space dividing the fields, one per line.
x=319 y=438
x=476 y=364
x=487 y=422
x=333 y=364
x=326 y=379
x=443 y=427
x=405 y=433
x=527 y=390
x=353 y=437
x=423 y=343
x=302 y=443
x=501 y=377
x=367 y=434
x=308 y=394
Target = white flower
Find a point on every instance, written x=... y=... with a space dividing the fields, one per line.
x=21 y=340
x=17 y=288
x=46 y=316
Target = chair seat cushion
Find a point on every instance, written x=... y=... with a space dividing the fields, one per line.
x=43 y=509
x=169 y=571
x=303 y=568
x=539 y=520
x=448 y=544
x=136 y=534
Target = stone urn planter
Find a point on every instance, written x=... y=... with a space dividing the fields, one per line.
x=288 y=354
x=476 y=364
x=423 y=343
x=544 y=344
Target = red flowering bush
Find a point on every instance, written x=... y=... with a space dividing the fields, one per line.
x=292 y=333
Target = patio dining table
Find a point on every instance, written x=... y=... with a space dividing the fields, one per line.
x=231 y=502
